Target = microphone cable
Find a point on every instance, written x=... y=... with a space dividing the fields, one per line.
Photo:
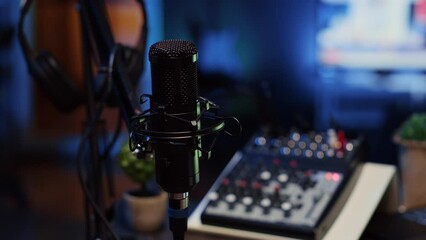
x=80 y=153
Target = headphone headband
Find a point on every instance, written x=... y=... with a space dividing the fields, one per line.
x=28 y=52
x=31 y=54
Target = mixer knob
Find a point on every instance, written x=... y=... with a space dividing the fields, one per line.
x=324 y=147
x=308 y=153
x=330 y=153
x=318 y=138
x=283 y=178
x=297 y=152
x=276 y=143
x=266 y=204
x=320 y=154
x=241 y=187
x=286 y=207
x=276 y=195
x=349 y=147
x=260 y=141
x=302 y=145
x=231 y=199
x=265 y=175
x=285 y=151
x=291 y=144
x=248 y=202
x=225 y=187
x=313 y=146
x=295 y=136
x=213 y=197
x=257 y=189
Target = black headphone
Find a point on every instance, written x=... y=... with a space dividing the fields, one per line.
x=53 y=80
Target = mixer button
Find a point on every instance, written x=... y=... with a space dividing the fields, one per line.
x=302 y=144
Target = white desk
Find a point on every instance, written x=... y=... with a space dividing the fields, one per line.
x=366 y=195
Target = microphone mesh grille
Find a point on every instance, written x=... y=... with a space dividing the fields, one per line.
x=174 y=78
x=173 y=49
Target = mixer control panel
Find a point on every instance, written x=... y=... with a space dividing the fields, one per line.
x=283 y=185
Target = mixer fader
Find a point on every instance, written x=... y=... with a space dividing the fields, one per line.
x=287 y=185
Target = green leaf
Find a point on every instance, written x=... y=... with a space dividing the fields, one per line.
x=414 y=128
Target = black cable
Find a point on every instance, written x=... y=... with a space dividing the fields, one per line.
x=106 y=154
x=85 y=136
x=114 y=138
x=178 y=226
x=80 y=171
x=88 y=225
x=178 y=236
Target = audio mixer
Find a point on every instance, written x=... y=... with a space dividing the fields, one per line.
x=289 y=185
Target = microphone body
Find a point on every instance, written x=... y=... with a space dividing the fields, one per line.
x=174 y=99
x=175 y=93
x=172 y=127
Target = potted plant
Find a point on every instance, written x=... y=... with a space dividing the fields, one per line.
x=147 y=205
x=411 y=137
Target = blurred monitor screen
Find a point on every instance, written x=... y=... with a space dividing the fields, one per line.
x=372 y=34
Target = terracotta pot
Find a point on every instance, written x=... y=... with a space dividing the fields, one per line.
x=412 y=170
x=147 y=213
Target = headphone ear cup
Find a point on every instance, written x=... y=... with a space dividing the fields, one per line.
x=55 y=83
x=133 y=58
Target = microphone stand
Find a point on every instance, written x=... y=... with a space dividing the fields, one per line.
x=98 y=42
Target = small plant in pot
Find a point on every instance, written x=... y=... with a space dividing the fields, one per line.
x=147 y=205
x=411 y=138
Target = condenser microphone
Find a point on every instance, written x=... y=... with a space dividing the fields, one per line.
x=175 y=92
x=174 y=96
x=175 y=123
